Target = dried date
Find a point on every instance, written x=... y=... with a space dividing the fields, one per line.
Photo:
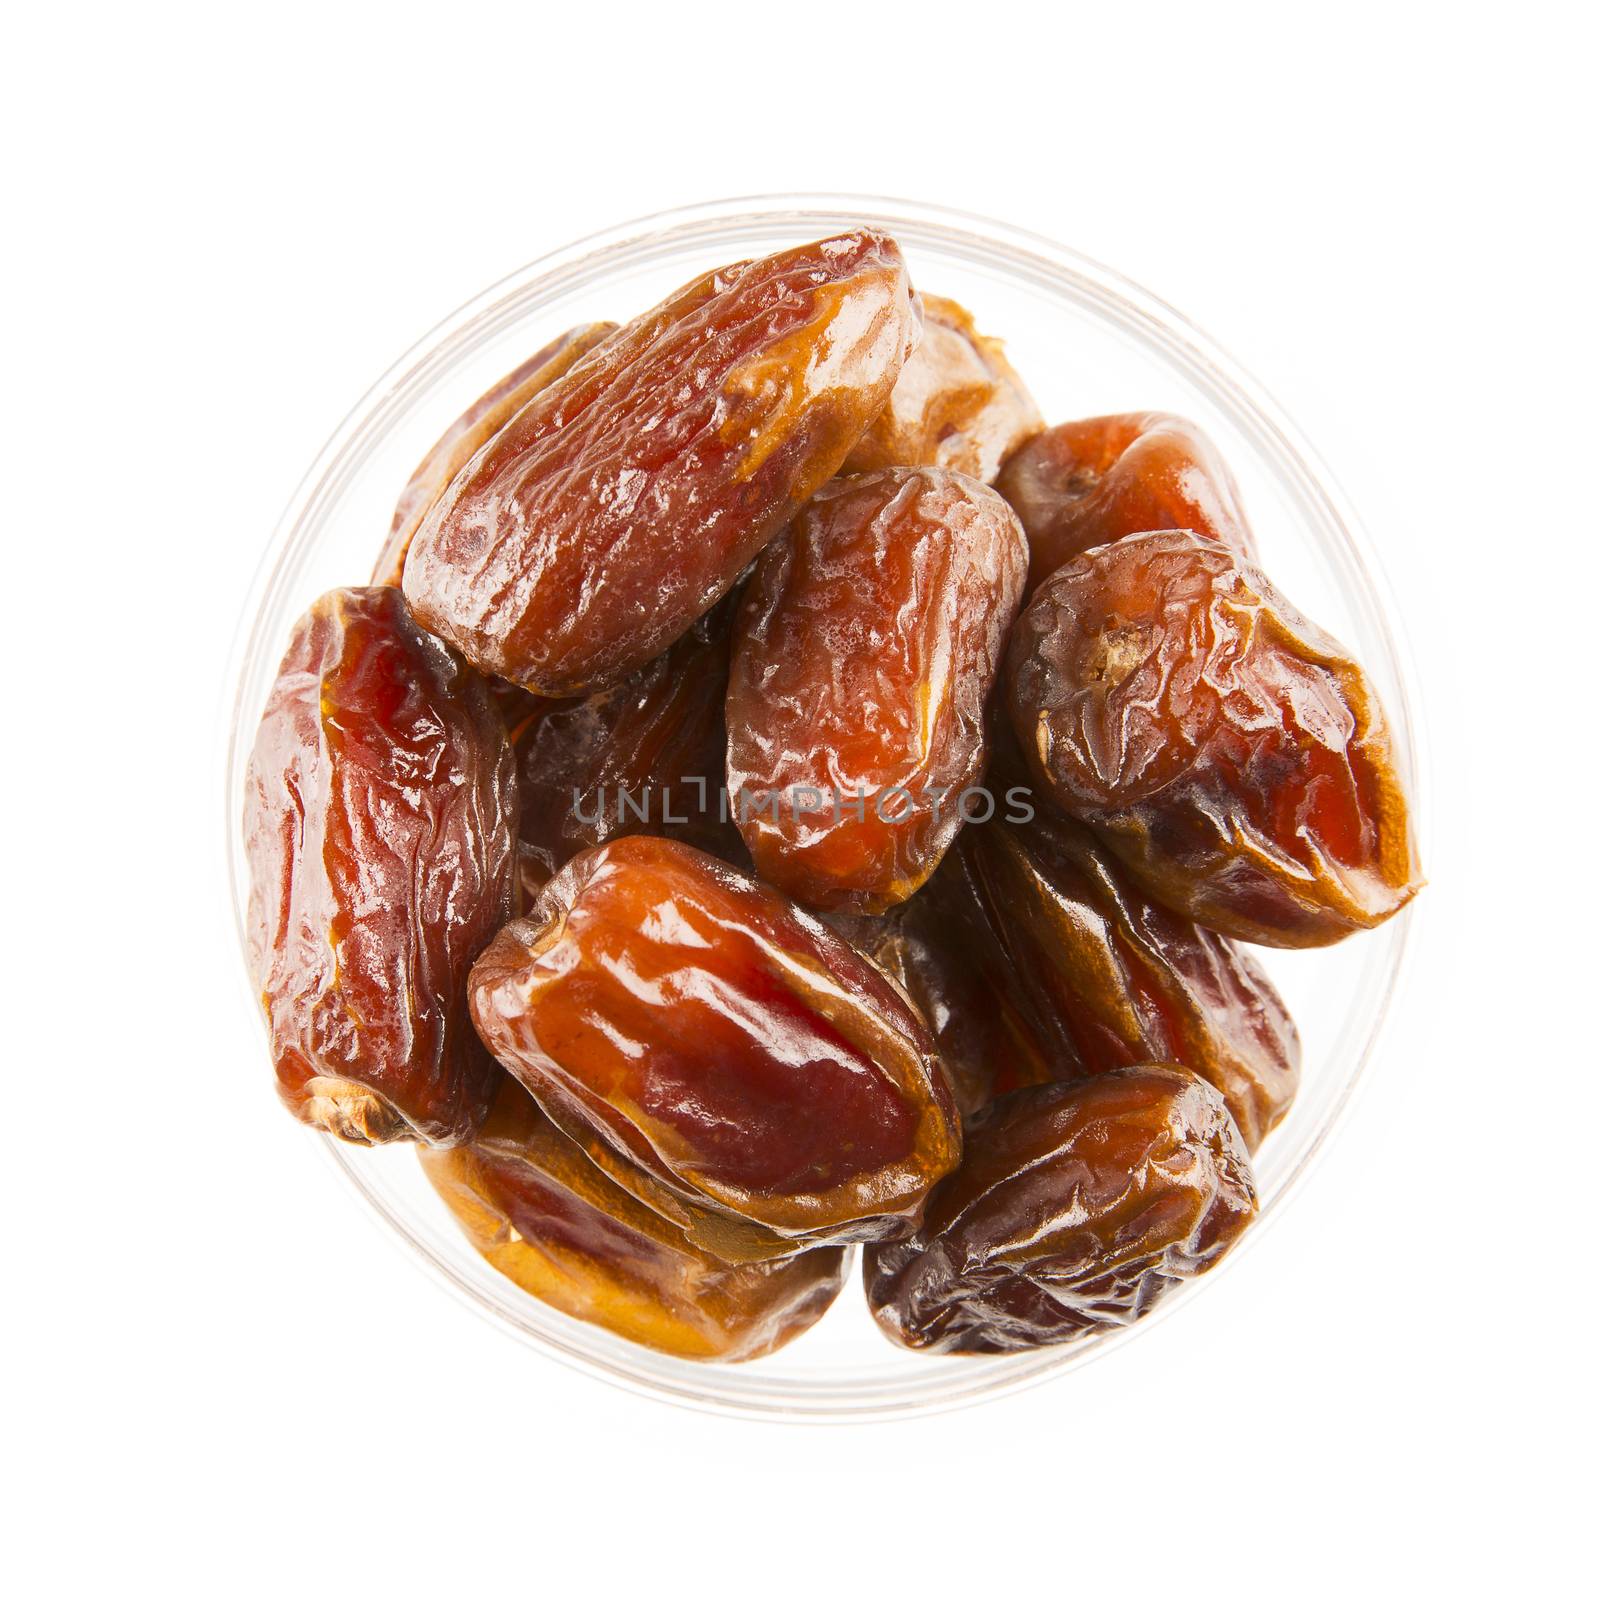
x=732 y=1050
x=379 y=819
x=646 y=756
x=623 y=500
x=941 y=948
x=540 y=1212
x=866 y=648
x=1125 y=980
x=1086 y=483
x=479 y=423
x=1231 y=753
x=1077 y=1207
x=956 y=404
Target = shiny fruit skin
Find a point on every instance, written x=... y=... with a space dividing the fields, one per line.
x=1079 y=1205
x=479 y=423
x=866 y=649
x=736 y=1052
x=379 y=823
x=540 y=1212
x=625 y=499
x=1087 y=483
x=1227 y=749
x=957 y=403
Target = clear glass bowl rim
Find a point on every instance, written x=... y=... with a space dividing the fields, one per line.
x=944 y=1383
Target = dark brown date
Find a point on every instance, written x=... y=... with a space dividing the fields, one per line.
x=1230 y=752
x=866 y=647
x=957 y=403
x=738 y=1054
x=1086 y=483
x=540 y=1212
x=623 y=500
x=1077 y=1207
x=479 y=423
x=1125 y=980
x=940 y=947
x=645 y=757
x=380 y=813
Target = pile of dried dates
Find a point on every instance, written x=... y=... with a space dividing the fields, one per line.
x=775 y=795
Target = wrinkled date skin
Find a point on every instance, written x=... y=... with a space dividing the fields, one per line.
x=1125 y=980
x=1086 y=483
x=940 y=947
x=866 y=648
x=737 y=1053
x=645 y=757
x=1077 y=1207
x=623 y=500
x=1229 y=751
x=957 y=403
x=380 y=815
x=479 y=423
x=540 y=1212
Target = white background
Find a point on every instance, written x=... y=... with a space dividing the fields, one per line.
x=222 y=226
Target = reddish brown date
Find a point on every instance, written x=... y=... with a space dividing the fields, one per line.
x=623 y=500
x=940 y=947
x=1121 y=980
x=1086 y=483
x=866 y=647
x=380 y=813
x=1229 y=751
x=645 y=757
x=733 y=1050
x=957 y=403
x=1077 y=1207
x=540 y=1212
x=479 y=423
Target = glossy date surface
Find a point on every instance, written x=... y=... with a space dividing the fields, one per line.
x=1077 y=1207
x=734 y=1051
x=1086 y=483
x=379 y=818
x=1119 y=979
x=623 y=500
x=867 y=644
x=956 y=404
x=462 y=440
x=887 y=780
x=1231 y=753
x=540 y=1212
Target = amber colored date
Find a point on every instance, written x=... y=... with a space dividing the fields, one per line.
x=540 y=1212
x=1077 y=1207
x=623 y=500
x=462 y=440
x=865 y=651
x=380 y=811
x=1231 y=753
x=1086 y=483
x=957 y=403
x=737 y=1053
x=644 y=757
x=1125 y=980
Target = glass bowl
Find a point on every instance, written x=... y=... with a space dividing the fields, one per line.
x=1088 y=342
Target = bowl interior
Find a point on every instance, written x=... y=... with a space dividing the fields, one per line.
x=1086 y=342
